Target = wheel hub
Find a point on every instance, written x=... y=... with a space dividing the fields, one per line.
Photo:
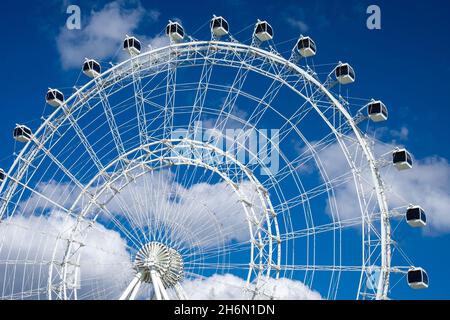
x=157 y=257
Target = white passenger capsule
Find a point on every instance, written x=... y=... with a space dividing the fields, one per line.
x=402 y=159
x=344 y=73
x=54 y=97
x=219 y=26
x=417 y=278
x=22 y=133
x=132 y=45
x=263 y=31
x=377 y=111
x=306 y=47
x=175 y=31
x=415 y=217
x=91 y=68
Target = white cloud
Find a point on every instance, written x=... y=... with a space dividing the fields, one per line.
x=212 y=212
x=298 y=24
x=29 y=243
x=208 y=213
x=427 y=184
x=231 y=287
x=102 y=34
x=401 y=134
x=105 y=261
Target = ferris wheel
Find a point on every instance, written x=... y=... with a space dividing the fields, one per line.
x=205 y=168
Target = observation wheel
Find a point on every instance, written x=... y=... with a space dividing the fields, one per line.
x=205 y=169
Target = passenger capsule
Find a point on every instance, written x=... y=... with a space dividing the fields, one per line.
x=219 y=26
x=402 y=159
x=175 y=31
x=306 y=47
x=344 y=73
x=417 y=278
x=132 y=45
x=22 y=133
x=91 y=68
x=263 y=31
x=377 y=111
x=415 y=217
x=54 y=97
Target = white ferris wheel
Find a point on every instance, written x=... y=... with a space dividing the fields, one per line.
x=205 y=163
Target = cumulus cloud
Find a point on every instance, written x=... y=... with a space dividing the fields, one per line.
x=30 y=242
x=427 y=184
x=298 y=24
x=106 y=262
x=231 y=287
x=158 y=198
x=102 y=34
x=207 y=213
x=401 y=134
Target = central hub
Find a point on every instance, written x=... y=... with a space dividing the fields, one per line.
x=157 y=257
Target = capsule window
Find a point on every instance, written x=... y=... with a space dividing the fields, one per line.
x=216 y=23
x=50 y=95
x=423 y=217
x=342 y=70
x=413 y=214
x=375 y=108
x=96 y=67
x=225 y=25
x=260 y=28
x=305 y=43
x=399 y=157
x=408 y=158
x=351 y=73
x=59 y=96
x=415 y=276
x=425 y=277
x=179 y=30
x=137 y=45
x=22 y=131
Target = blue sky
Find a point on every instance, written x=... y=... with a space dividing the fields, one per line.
x=405 y=64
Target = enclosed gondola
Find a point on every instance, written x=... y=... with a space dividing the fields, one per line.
x=402 y=159
x=22 y=133
x=54 y=97
x=175 y=31
x=219 y=26
x=91 y=68
x=415 y=217
x=344 y=73
x=377 y=111
x=418 y=278
x=263 y=31
x=306 y=47
x=132 y=45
